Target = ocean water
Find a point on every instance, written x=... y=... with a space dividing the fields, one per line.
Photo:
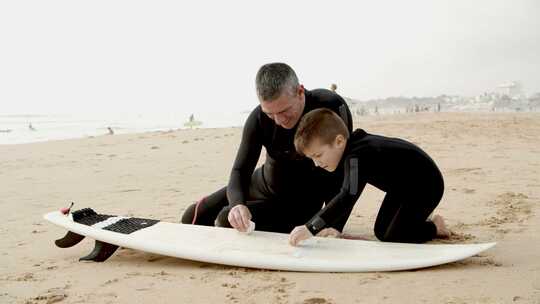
x=15 y=128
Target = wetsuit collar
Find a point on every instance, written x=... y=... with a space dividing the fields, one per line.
x=307 y=105
x=307 y=95
x=355 y=135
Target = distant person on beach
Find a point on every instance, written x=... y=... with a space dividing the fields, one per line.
x=30 y=127
x=192 y=122
x=288 y=189
x=111 y=131
x=333 y=87
x=412 y=182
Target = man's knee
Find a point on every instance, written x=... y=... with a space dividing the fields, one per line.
x=380 y=234
x=187 y=217
x=222 y=220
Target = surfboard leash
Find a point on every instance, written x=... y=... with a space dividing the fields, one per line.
x=65 y=211
x=197 y=210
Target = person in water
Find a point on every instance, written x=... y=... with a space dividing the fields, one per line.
x=412 y=182
x=287 y=189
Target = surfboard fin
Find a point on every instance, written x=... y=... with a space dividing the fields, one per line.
x=69 y=240
x=102 y=251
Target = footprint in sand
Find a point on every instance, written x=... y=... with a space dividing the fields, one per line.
x=23 y=277
x=48 y=298
x=371 y=278
x=232 y=298
x=108 y=282
x=185 y=141
x=53 y=295
x=466 y=170
x=129 y=190
x=271 y=286
x=511 y=208
x=156 y=258
x=480 y=260
x=455 y=238
x=154 y=148
x=468 y=191
x=316 y=301
x=229 y=285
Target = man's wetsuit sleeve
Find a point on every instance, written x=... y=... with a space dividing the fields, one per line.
x=246 y=160
x=343 y=202
x=346 y=116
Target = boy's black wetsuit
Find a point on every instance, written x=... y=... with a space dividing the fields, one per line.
x=412 y=182
x=288 y=189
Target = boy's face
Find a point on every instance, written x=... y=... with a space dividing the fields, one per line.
x=326 y=156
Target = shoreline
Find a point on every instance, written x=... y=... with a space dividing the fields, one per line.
x=356 y=119
x=117 y=135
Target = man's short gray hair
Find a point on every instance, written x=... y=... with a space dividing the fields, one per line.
x=273 y=79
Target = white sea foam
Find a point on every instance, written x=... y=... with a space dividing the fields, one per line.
x=15 y=129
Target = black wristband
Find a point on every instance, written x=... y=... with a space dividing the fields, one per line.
x=315 y=225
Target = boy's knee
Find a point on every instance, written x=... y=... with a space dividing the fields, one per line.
x=383 y=235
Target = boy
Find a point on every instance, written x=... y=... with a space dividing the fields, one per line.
x=412 y=182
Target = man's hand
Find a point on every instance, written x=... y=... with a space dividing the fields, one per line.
x=239 y=217
x=299 y=233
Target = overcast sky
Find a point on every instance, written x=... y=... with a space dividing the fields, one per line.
x=161 y=56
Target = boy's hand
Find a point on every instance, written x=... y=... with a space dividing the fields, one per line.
x=299 y=233
x=239 y=217
x=329 y=233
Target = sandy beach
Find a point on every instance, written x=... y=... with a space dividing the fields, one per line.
x=490 y=162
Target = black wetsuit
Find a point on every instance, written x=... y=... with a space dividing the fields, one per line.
x=288 y=189
x=412 y=182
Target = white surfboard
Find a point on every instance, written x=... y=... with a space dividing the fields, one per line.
x=264 y=250
x=193 y=123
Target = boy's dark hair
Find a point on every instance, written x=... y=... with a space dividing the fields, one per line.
x=322 y=124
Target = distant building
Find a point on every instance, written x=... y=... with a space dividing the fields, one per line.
x=512 y=89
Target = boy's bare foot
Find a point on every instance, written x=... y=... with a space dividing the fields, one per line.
x=442 y=231
x=353 y=237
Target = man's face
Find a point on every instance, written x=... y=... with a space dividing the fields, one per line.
x=287 y=109
x=326 y=156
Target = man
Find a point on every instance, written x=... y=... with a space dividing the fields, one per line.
x=288 y=189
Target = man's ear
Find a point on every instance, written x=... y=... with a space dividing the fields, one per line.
x=300 y=91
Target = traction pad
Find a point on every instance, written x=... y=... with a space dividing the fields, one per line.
x=89 y=217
